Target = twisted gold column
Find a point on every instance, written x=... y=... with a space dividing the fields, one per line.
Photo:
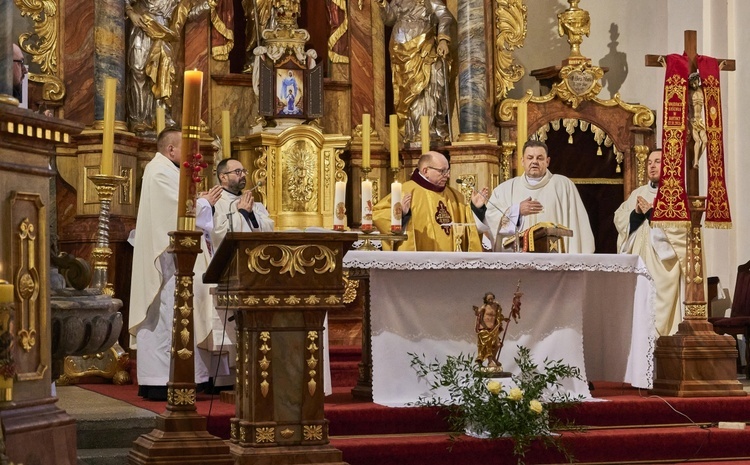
x=106 y=186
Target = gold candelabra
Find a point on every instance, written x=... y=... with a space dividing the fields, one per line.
x=106 y=186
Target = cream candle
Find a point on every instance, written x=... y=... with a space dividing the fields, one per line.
x=396 y=209
x=339 y=206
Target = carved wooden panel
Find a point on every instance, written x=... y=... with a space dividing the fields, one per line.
x=28 y=230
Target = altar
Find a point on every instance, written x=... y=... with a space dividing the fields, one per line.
x=590 y=311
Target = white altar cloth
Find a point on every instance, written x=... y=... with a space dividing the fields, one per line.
x=590 y=311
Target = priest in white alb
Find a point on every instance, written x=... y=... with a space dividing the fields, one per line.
x=153 y=281
x=663 y=250
x=536 y=196
x=237 y=210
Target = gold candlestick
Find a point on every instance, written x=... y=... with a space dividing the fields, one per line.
x=106 y=186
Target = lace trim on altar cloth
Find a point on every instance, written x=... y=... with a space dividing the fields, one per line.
x=492 y=264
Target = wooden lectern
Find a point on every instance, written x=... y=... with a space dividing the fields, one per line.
x=542 y=237
x=279 y=287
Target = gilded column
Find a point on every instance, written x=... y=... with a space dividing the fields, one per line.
x=6 y=51
x=472 y=72
x=109 y=56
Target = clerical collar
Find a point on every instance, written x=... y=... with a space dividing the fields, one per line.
x=654 y=185
x=227 y=190
x=533 y=181
x=417 y=177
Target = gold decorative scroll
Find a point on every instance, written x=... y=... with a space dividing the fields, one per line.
x=27 y=283
x=509 y=148
x=641 y=155
x=220 y=52
x=181 y=396
x=292 y=259
x=27 y=228
x=264 y=363
x=312 y=362
x=642 y=115
x=338 y=33
x=350 y=288
x=696 y=311
x=579 y=83
x=42 y=45
x=312 y=432
x=300 y=176
x=510 y=33
x=467 y=186
x=183 y=313
x=265 y=434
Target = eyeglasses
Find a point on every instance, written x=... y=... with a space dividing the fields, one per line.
x=21 y=62
x=443 y=171
x=237 y=172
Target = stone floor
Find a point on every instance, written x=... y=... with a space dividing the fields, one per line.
x=106 y=427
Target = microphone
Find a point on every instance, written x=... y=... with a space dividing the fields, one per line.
x=229 y=215
x=257 y=185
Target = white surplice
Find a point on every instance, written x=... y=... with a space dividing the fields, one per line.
x=562 y=205
x=663 y=251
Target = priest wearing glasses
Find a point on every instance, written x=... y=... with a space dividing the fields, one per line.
x=435 y=216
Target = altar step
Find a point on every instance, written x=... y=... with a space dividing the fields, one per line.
x=345 y=365
x=665 y=444
x=105 y=427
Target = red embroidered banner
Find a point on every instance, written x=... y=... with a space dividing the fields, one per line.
x=717 y=200
x=671 y=202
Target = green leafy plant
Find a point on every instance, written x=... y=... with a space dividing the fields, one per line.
x=490 y=408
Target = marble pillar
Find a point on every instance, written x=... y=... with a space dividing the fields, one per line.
x=6 y=50
x=109 y=56
x=472 y=71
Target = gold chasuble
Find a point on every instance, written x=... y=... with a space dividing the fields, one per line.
x=438 y=220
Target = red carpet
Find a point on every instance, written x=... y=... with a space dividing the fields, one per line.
x=628 y=426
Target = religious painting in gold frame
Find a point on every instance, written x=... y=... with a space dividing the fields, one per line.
x=290 y=92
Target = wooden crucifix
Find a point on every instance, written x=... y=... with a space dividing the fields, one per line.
x=695 y=300
x=695 y=361
x=691 y=50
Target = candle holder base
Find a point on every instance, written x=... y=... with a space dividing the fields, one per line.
x=106 y=186
x=367 y=238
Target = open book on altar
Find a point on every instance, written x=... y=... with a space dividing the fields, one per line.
x=542 y=237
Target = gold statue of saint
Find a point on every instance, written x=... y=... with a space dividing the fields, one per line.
x=489 y=323
x=489 y=328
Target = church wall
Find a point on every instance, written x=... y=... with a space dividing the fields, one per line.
x=621 y=34
x=735 y=245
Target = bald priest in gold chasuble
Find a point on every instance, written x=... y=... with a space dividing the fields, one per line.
x=435 y=216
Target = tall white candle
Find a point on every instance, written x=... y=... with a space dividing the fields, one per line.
x=161 y=119
x=108 y=133
x=522 y=134
x=396 y=210
x=339 y=206
x=366 y=205
x=393 y=121
x=366 y=140
x=226 y=135
x=424 y=129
